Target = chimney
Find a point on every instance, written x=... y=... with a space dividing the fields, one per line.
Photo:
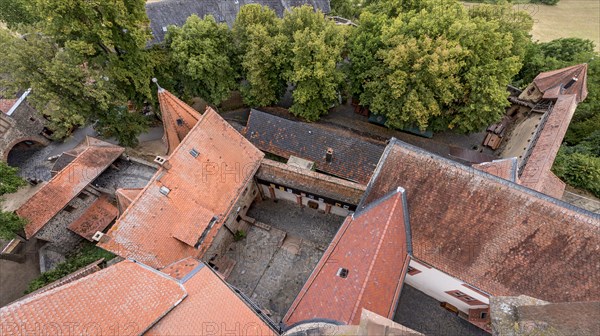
x=329 y=155
x=163 y=162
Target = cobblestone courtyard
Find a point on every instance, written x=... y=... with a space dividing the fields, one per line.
x=279 y=253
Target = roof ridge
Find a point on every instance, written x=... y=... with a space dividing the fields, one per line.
x=488 y=176
x=398 y=195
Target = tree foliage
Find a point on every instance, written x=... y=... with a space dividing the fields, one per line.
x=204 y=53
x=316 y=46
x=261 y=45
x=436 y=66
x=10 y=181
x=16 y=12
x=10 y=224
x=578 y=169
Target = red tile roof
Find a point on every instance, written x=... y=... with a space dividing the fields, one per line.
x=126 y=196
x=489 y=232
x=6 y=104
x=95 y=218
x=68 y=183
x=152 y=229
x=126 y=296
x=211 y=307
x=554 y=83
x=504 y=168
x=372 y=246
x=178 y=119
x=537 y=166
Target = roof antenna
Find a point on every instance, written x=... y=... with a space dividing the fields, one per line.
x=155 y=81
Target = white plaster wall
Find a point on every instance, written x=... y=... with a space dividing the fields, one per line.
x=435 y=283
x=280 y=194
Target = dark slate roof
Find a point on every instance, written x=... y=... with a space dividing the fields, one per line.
x=490 y=232
x=175 y=12
x=354 y=158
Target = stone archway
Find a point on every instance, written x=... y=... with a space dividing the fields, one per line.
x=38 y=139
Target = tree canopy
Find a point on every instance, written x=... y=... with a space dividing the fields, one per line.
x=10 y=182
x=204 y=54
x=435 y=66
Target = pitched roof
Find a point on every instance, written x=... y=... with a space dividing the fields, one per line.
x=68 y=183
x=178 y=119
x=95 y=218
x=372 y=246
x=492 y=233
x=569 y=80
x=536 y=172
x=151 y=229
x=353 y=158
x=126 y=295
x=174 y=12
x=504 y=168
x=126 y=196
x=211 y=307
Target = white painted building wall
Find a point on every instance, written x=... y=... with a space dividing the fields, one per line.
x=436 y=283
x=289 y=196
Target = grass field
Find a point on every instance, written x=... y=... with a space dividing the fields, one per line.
x=570 y=18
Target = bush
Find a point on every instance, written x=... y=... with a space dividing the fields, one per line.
x=545 y=2
x=239 y=235
x=10 y=224
x=578 y=169
x=84 y=256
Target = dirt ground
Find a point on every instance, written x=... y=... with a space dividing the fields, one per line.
x=569 y=18
x=15 y=277
x=11 y=202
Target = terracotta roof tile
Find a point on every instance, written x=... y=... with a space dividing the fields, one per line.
x=354 y=158
x=371 y=245
x=543 y=152
x=562 y=81
x=95 y=218
x=504 y=168
x=489 y=232
x=207 y=184
x=68 y=183
x=126 y=296
x=211 y=307
x=6 y=104
x=126 y=196
x=178 y=119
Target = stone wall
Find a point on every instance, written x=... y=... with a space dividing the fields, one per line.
x=25 y=124
x=56 y=231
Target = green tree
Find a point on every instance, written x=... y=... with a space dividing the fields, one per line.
x=10 y=224
x=118 y=122
x=316 y=46
x=578 y=169
x=261 y=47
x=348 y=9
x=204 y=53
x=440 y=68
x=64 y=86
x=10 y=181
x=15 y=12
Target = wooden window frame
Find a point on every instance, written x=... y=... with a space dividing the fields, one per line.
x=464 y=297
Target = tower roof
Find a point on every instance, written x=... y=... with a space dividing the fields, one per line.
x=178 y=118
x=570 y=80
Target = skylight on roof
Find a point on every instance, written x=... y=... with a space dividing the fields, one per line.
x=194 y=153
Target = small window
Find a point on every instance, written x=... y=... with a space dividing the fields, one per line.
x=483 y=315
x=164 y=190
x=32 y=119
x=239 y=219
x=412 y=271
x=69 y=208
x=194 y=153
x=83 y=196
x=179 y=122
x=342 y=272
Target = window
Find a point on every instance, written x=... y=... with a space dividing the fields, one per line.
x=179 y=122
x=194 y=153
x=483 y=315
x=205 y=233
x=465 y=298
x=239 y=219
x=343 y=273
x=83 y=196
x=412 y=271
x=69 y=208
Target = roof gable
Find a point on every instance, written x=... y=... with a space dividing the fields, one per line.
x=178 y=119
x=372 y=247
x=570 y=80
x=208 y=171
x=66 y=184
x=490 y=232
